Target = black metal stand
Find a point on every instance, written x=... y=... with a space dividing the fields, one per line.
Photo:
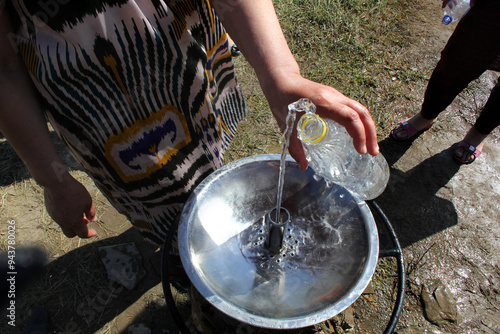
x=165 y=280
x=395 y=252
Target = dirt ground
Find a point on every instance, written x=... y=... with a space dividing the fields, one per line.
x=444 y=214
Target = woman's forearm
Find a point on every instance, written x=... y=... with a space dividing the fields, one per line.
x=255 y=28
x=22 y=121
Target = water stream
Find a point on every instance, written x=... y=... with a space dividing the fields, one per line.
x=302 y=105
x=290 y=120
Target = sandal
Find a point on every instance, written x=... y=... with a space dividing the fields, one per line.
x=410 y=130
x=469 y=153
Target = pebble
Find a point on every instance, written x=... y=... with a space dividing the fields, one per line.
x=439 y=304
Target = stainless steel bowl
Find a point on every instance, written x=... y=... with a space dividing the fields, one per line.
x=329 y=253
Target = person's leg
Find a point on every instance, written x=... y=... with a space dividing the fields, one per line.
x=488 y=120
x=473 y=46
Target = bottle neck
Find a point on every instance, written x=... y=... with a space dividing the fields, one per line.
x=311 y=128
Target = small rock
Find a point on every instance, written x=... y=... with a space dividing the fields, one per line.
x=123 y=264
x=349 y=323
x=343 y=322
x=369 y=289
x=439 y=304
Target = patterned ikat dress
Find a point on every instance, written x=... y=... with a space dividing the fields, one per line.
x=142 y=92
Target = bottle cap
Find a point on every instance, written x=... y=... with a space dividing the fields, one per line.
x=313 y=139
x=447 y=19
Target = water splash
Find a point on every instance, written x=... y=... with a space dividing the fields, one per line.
x=303 y=105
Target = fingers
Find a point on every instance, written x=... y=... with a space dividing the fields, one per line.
x=72 y=208
x=330 y=103
x=86 y=232
x=361 y=128
x=354 y=117
x=79 y=229
x=90 y=213
x=297 y=152
x=357 y=121
x=82 y=233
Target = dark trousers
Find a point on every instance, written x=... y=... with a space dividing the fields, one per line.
x=472 y=48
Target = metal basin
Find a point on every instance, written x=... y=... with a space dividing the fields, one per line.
x=329 y=254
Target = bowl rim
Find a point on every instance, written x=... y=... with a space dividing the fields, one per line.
x=258 y=320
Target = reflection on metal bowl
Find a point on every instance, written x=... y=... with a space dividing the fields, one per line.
x=329 y=253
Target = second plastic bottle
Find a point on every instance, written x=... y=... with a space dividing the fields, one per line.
x=455 y=10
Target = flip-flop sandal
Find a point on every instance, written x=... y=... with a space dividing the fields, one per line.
x=410 y=130
x=469 y=151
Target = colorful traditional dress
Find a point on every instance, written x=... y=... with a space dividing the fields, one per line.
x=142 y=92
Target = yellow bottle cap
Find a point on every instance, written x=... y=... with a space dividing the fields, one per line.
x=317 y=118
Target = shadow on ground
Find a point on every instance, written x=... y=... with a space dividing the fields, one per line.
x=80 y=298
x=410 y=201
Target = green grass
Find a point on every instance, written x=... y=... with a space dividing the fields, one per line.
x=352 y=45
x=344 y=43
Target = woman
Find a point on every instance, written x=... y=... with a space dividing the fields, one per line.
x=144 y=95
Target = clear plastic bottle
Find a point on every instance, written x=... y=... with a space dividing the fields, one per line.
x=331 y=154
x=455 y=10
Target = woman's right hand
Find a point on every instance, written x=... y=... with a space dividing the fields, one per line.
x=70 y=206
x=288 y=86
